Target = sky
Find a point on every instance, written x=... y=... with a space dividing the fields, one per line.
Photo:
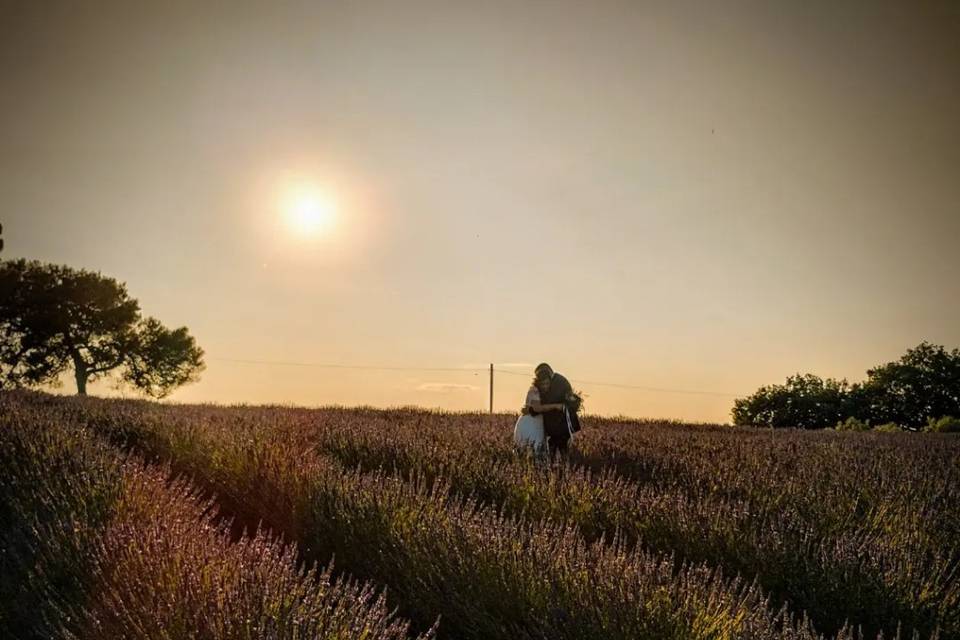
x=675 y=197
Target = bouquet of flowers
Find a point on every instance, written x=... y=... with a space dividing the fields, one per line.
x=574 y=401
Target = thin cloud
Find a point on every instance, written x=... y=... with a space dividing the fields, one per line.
x=446 y=387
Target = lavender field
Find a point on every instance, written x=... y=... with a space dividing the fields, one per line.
x=130 y=519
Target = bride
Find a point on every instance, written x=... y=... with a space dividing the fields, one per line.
x=528 y=431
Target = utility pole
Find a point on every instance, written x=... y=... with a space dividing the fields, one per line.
x=491 y=388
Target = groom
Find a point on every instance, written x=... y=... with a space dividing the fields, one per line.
x=556 y=390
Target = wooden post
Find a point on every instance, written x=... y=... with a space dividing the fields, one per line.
x=491 y=388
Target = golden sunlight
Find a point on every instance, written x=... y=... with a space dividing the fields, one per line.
x=308 y=210
x=311 y=215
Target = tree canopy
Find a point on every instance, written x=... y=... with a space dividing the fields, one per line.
x=923 y=385
x=806 y=401
x=54 y=318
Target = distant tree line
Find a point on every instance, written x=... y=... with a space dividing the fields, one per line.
x=921 y=390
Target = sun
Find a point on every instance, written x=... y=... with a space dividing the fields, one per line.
x=309 y=210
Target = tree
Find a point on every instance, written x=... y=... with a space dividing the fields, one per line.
x=805 y=401
x=53 y=317
x=923 y=385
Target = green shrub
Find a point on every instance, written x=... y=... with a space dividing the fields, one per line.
x=888 y=427
x=946 y=424
x=853 y=424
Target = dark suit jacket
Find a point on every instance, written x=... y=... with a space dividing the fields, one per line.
x=555 y=422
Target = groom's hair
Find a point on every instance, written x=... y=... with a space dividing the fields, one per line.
x=541 y=367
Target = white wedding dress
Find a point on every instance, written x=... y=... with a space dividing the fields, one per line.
x=528 y=431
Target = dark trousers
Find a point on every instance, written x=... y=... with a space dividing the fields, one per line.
x=558 y=444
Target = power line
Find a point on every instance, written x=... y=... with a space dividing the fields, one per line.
x=724 y=394
x=323 y=365
x=475 y=371
x=637 y=387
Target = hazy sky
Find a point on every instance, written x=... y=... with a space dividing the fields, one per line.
x=699 y=196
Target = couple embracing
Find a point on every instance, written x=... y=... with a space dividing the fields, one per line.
x=549 y=415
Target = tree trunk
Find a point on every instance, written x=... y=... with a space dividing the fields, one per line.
x=80 y=371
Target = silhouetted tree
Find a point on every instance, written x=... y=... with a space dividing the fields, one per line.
x=923 y=385
x=804 y=401
x=53 y=317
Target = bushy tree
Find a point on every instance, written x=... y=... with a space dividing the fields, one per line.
x=53 y=318
x=806 y=401
x=923 y=384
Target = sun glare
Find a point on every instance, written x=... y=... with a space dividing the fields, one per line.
x=309 y=211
